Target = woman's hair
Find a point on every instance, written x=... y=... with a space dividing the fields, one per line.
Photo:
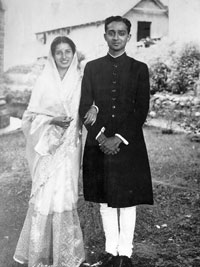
x=118 y=19
x=62 y=39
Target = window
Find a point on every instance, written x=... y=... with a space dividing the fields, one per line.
x=143 y=30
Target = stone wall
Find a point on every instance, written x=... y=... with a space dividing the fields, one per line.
x=183 y=109
x=162 y=103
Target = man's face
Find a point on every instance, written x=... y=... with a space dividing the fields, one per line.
x=116 y=37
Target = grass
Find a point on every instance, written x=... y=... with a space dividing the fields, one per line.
x=167 y=234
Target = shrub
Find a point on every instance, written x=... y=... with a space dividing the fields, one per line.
x=185 y=70
x=6 y=79
x=158 y=77
x=17 y=97
x=178 y=72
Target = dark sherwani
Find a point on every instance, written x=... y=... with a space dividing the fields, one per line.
x=119 y=87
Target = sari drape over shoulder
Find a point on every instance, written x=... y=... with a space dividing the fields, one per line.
x=51 y=235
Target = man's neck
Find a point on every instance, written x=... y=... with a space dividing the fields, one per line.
x=115 y=55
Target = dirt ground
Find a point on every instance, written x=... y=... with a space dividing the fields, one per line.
x=167 y=233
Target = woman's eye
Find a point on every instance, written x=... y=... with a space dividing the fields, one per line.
x=58 y=53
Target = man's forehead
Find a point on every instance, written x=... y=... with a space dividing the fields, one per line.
x=117 y=25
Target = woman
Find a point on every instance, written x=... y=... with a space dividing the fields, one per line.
x=51 y=235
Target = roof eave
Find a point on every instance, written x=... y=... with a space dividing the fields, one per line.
x=70 y=27
x=157 y=2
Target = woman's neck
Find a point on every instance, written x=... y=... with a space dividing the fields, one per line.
x=62 y=73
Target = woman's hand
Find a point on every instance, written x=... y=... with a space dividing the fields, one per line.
x=61 y=121
x=91 y=116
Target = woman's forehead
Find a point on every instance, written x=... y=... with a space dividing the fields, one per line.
x=63 y=46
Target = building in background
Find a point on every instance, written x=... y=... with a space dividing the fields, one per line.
x=31 y=25
x=85 y=23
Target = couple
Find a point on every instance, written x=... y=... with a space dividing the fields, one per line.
x=112 y=101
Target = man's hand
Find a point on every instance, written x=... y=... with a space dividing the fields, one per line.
x=110 y=146
x=101 y=138
x=90 y=116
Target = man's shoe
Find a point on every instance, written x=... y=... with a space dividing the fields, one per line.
x=123 y=261
x=106 y=260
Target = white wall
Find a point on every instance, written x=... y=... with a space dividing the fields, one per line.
x=156 y=30
x=89 y=40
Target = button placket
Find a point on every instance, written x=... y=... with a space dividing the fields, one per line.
x=114 y=89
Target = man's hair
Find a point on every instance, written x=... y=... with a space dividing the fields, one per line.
x=62 y=39
x=118 y=19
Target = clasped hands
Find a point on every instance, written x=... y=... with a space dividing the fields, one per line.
x=109 y=145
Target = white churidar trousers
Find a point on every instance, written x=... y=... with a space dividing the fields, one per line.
x=118 y=233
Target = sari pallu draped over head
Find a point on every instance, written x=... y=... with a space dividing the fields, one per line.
x=51 y=97
x=51 y=235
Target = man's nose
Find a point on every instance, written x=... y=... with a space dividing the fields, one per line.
x=116 y=36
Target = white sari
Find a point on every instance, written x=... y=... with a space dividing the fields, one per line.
x=51 y=235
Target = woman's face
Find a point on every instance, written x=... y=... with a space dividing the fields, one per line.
x=63 y=56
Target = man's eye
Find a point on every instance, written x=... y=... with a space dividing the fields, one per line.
x=122 y=33
x=111 y=33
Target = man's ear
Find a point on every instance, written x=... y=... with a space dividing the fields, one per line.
x=129 y=37
x=105 y=36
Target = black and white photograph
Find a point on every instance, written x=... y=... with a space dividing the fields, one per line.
x=99 y=133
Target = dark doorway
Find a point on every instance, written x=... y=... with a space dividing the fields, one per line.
x=144 y=29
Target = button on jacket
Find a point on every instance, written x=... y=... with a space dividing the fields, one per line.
x=119 y=87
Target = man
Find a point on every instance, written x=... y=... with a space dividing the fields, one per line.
x=116 y=170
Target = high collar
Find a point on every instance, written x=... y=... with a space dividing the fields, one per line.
x=117 y=59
